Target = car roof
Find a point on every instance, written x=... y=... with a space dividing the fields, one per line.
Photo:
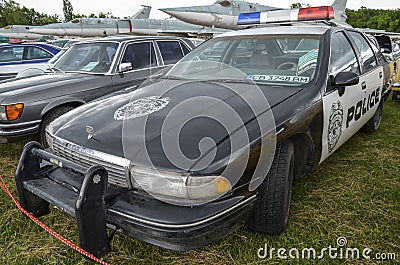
x=128 y=38
x=279 y=30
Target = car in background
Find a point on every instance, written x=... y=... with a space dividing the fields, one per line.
x=17 y=57
x=196 y=41
x=215 y=142
x=60 y=42
x=88 y=70
x=391 y=51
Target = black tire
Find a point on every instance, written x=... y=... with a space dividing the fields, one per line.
x=271 y=210
x=373 y=124
x=48 y=118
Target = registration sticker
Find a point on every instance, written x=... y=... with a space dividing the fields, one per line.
x=89 y=66
x=279 y=78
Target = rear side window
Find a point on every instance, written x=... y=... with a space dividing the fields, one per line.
x=185 y=49
x=171 y=51
x=367 y=54
x=11 y=54
x=37 y=53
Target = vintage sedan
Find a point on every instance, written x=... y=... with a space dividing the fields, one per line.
x=17 y=57
x=87 y=71
x=212 y=144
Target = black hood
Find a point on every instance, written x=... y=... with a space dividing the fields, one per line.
x=167 y=96
x=45 y=86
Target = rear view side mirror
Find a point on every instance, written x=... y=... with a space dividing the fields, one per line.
x=123 y=67
x=344 y=79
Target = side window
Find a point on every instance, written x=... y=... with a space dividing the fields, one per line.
x=185 y=49
x=367 y=54
x=140 y=55
x=170 y=50
x=375 y=48
x=11 y=54
x=343 y=57
x=37 y=53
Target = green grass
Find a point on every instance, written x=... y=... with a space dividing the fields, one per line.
x=353 y=194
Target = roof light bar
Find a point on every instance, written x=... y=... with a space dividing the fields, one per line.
x=287 y=15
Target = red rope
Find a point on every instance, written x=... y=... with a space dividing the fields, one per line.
x=4 y=187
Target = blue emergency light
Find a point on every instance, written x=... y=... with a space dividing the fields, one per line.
x=249 y=18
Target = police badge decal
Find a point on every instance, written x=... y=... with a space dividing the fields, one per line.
x=335 y=125
x=141 y=107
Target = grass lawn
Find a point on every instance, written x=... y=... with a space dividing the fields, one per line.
x=354 y=194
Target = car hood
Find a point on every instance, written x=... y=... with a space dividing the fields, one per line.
x=42 y=86
x=169 y=112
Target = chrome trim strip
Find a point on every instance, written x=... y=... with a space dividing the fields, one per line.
x=182 y=225
x=280 y=131
x=17 y=125
x=20 y=131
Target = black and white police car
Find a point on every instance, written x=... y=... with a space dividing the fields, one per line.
x=216 y=141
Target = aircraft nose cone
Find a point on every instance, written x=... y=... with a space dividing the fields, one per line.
x=171 y=11
x=177 y=12
x=197 y=9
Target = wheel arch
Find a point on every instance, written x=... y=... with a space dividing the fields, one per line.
x=304 y=154
x=65 y=102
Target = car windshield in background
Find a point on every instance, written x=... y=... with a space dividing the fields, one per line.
x=88 y=57
x=281 y=59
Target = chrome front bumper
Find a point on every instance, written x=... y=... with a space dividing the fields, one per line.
x=10 y=132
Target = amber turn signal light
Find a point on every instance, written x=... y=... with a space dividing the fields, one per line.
x=14 y=112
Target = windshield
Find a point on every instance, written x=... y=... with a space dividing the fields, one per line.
x=280 y=59
x=88 y=57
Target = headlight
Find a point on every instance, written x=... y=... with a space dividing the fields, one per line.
x=49 y=135
x=11 y=112
x=179 y=189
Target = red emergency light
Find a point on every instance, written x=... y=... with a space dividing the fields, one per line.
x=315 y=13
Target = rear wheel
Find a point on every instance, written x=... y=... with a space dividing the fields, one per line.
x=373 y=124
x=271 y=210
x=48 y=118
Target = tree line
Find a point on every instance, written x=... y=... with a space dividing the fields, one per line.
x=12 y=14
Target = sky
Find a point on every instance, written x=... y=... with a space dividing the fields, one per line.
x=125 y=8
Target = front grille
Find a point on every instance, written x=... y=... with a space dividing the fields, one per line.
x=116 y=167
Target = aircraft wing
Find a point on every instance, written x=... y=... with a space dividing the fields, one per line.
x=379 y=31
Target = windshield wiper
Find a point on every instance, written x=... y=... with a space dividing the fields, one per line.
x=55 y=69
x=171 y=77
x=224 y=80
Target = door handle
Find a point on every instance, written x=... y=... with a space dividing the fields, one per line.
x=363 y=85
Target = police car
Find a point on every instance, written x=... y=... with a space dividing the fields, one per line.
x=17 y=57
x=214 y=142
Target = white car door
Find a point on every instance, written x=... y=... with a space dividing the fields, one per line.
x=345 y=114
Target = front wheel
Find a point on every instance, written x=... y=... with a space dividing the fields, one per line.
x=271 y=210
x=48 y=118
